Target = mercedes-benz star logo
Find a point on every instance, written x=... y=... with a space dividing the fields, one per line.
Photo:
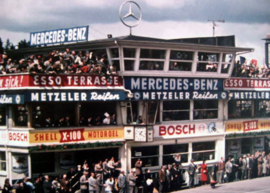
x=130 y=13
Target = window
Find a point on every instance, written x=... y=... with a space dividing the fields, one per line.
x=175 y=110
x=151 y=65
x=152 y=59
x=129 y=52
x=226 y=62
x=180 y=66
x=149 y=155
x=262 y=108
x=56 y=112
x=95 y=112
x=205 y=109
x=129 y=58
x=3 y=166
x=2 y=115
x=20 y=115
x=246 y=145
x=154 y=54
x=152 y=112
x=170 y=150
x=203 y=151
x=240 y=109
x=181 y=55
x=114 y=53
x=43 y=162
x=181 y=60
x=207 y=62
x=129 y=65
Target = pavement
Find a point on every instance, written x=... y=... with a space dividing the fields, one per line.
x=257 y=185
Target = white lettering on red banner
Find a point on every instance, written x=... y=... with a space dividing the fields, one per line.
x=250 y=125
x=71 y=135
x=234 y=83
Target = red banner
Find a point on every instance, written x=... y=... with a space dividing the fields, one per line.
x=71 y=135
x=237 y=83
x=63 y=80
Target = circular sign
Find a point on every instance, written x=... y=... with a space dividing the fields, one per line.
x=133 y=16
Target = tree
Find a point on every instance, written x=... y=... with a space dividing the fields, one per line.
x=1 y=47
x=23 y=44
x=8 y=44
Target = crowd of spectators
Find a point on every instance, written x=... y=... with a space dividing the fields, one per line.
x=56 y=62
x=66 y=121
x=251 y=70
x=108 y=176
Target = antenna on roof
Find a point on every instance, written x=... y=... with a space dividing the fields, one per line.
x=214 y=24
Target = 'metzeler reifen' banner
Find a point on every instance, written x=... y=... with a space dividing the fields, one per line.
x=43 y=81
x=58 y=36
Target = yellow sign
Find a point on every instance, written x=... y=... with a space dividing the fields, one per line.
x=246 y=126
x=75 y=135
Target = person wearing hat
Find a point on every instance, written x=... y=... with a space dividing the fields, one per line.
x=107 y=119
x=122 y=182
x=83 y=182
x=92 y=183
x=191 y=171
x=99 y=183
x=132 y=181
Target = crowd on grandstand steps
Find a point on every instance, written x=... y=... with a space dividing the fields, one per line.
x=59 y=63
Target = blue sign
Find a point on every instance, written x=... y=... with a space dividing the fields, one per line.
x=250 y=95
x=11 y=99
x=74 y=96
x=178 y=95
x=173 y=84
x=59 y=36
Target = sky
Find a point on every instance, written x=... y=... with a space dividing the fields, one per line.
x=248 y=20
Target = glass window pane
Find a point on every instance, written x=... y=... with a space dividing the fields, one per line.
x=207 y=67
x=180 y=66
x=173 y=149
x=114 y=52
x=203 y=146
x=129 y=65
x=176 y=105
x=150 y=65
x=246 y=145
x=203 y=156
x=227 y=58
x=95 y=117
x=144 y=151
x=175 y=116
x=205 y=104
x=262 y=108
x=46 y=160
x=157 y=54
x=225 y=68
x=240 y=109
x=115 y=65
x=2 y=115
x=129 y=52
x=181 y=55
x=20 y=115
x=210 y=57
x=147 y=161
x=168 y=159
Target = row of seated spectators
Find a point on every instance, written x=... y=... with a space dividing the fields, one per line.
x=56 y=62
x=250 y=70
x=66 y=121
